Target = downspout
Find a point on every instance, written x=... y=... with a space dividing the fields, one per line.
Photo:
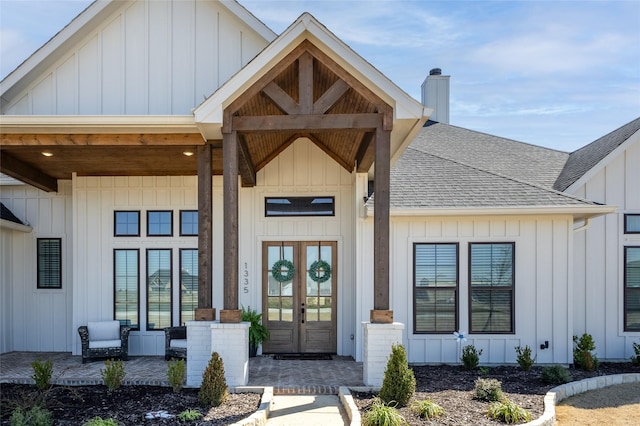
x=584 y=226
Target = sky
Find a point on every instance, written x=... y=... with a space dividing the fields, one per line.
x=558 y=74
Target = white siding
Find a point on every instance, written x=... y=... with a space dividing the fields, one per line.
x=542 y=284
x=35 y=319
x=599 y=251
x=148 y=57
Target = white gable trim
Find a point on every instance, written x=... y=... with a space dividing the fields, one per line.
x=248 y=18
x=634 y=138
x=7 y=224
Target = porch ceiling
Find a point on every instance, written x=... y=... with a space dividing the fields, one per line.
x=305 y=95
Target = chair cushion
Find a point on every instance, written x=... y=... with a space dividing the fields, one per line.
x=178 y=343
x=99 y=344
x=104 y=330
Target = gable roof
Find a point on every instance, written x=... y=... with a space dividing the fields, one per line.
x=7 y=214
x=587 y=157
x=10 y=221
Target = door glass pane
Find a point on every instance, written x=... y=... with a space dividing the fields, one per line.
x=273 y=308
x=325 y=308
x=312 y=309
x=325 y=288
x=273 y=286
x=287 y=309
x=287 y=288
x=312 y=287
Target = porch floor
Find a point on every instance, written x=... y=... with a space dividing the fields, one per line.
x=286 y=376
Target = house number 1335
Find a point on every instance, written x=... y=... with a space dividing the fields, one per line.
x=245 y=279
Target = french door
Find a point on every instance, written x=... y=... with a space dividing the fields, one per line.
x=299 y=282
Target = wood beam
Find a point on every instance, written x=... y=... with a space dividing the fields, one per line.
x=147 y=139
x=205 y=228
x=364 y=156
x=381 y=221
x=247 y=170
x=305 y=83
x=308 y=123
x=330 y=97
x=281 y=98
x=26 y=173
x=230 y=218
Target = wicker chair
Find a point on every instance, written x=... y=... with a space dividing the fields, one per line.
x=104 y=339
x=175 y=342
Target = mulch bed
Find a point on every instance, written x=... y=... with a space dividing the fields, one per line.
x=452 y=387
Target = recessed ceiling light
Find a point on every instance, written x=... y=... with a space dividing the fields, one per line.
x=47 y=153
x=188 y=153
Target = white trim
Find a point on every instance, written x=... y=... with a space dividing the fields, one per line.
x=248 y=18
x=579 y=212
x=7 y=224
x=634 y=138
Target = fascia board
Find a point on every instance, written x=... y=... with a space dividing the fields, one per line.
x=634 y=138
x=576 y=211
x=101 y=124
x=54 y=43
x=248 y=18
x=7 y=224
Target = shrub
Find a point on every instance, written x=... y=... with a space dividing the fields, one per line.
x=524 y=357
x=398 y=383
x=42 y=372
x=113 y=374
x=556 y=375
x=636 y=358
x=99 y=421
x=509 y=412
x=381 y=414
x=213 y=390
x=488 y=390
x=189 y=415
x=427 y=409
x=176 y=374
x=36 y=416
x=470 y=357
x=583 y=357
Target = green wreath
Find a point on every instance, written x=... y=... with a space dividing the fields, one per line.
x=276 y=270
x=317 y=266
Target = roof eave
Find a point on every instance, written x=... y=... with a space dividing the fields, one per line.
x=7 y=224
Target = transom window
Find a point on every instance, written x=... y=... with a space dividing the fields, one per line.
x=435 y=288
x=299 y=206
x=160 y=223
x=127 y=223
x=126 y=287
x=491 y=282
x=632 y=289
x=188 y=222
x=632 y=223
x=49 y=263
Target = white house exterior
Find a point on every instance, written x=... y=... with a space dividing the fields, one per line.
x=119 y=95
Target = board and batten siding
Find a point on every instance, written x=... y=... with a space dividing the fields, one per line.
x=542 y=284
x=147 y=58
x=36 y=319
x=599 y=255
x=302 y=169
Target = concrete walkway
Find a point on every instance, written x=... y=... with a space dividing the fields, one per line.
x=308 y=410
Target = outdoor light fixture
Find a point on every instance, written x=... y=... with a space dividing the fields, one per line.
x=545 y=345
x=47 y=153
x=188 y=153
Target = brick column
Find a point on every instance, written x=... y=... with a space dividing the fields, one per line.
x=231 y=341
x=377 y=342
x=198 y=350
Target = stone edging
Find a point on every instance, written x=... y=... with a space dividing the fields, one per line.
x=562 y=392
x=259 y=418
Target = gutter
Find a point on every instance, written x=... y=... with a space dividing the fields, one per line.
x=7 y=224
x=584 y=226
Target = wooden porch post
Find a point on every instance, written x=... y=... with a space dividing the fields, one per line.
x=204 y=311
x=230 y=312
x=382 y=166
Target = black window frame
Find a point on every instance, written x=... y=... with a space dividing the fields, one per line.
x=628 y=291
x=182 y=233
x=147 y=290
x=41 y=271
x=115 y=276
x=302 y=214
x=626 y=224
x=492 y=288
x=455 y=288
x=180 y=291
x=115 y=223
x=170 y=234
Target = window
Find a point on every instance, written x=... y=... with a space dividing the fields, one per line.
x=159 y=223
x=632 y=223
x=188 y=284
x=299 y=206
x=127 y=224
x=49 y=263
x=188 y=222
x=632 y=289
x=158 y=289
x=126 y=287
x=491 y=275
x=435 y=288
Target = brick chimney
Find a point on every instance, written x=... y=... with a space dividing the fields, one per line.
x=435 y=94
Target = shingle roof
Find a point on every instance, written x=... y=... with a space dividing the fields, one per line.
x=423 y=180
x=529 y=163
x=6 y=214
x=584 y=159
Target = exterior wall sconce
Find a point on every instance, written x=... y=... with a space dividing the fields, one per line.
x=545 y=345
